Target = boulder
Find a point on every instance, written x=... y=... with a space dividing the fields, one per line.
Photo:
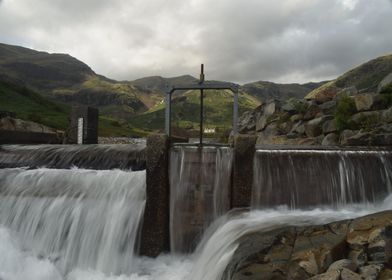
x=314 y=252
x=8 y=123
x=359 y=257
x=297 y=130
x=344 y=263
x=364 y=102
x=297 y=117
x=312 y=112
x=330 y=275
x=347 y=274
x=261 y=123
x=386 y=274
x=371 y=117
x=331 y=139
x=386 y=115
x=382 y=139
x=385 y=82
x=359 y=139
x=328 y=107
x=314 y=127
x=329 y=126
x=370 y=272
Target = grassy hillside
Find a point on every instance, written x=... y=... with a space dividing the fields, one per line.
x=365 y=77
x=63 y=78
x=218 y=109
x=263 y=90
x=31 y=106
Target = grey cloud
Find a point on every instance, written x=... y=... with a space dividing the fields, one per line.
x=285 y=41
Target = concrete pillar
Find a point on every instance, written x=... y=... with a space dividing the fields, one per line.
x=155 y=231
x=244 y=150
x=89 y=116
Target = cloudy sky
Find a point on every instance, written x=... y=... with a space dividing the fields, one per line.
x=238 y=40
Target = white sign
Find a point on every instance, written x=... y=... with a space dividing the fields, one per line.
x=80 y=131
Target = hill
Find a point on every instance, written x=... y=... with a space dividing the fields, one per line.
x=264 y=90
x=65 y=79
x=364 y=78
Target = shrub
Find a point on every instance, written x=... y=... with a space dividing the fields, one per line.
x=344 y=110
x=115 y=123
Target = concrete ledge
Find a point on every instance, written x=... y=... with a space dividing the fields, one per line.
x=244 y=150
x=155 y=231
x=26 y=137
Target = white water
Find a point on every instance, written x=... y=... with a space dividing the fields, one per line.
x=207 y=263
x=75 y=218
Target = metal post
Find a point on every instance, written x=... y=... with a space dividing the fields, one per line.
x=235 y=112
x=201 y=118
x=201 y=81
x=168 y=111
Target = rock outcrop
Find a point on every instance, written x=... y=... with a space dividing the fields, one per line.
x=330 y=117
x=350 y=249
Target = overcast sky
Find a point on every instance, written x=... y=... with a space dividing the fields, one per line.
x=238 y=40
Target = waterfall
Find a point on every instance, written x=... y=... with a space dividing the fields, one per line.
x=98 y=157
x=200 y=181
x=77 y=218
x=308 y=178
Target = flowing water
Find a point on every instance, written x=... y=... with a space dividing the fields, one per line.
x=199 y=192
x=79 y=224
x=122 y=156
x=309 y=178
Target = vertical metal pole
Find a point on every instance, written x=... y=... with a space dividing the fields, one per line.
x=201 y=81
x=201 y=118
x=235 y=112
x=168 y=112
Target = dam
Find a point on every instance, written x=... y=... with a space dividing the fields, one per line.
x=170 y=211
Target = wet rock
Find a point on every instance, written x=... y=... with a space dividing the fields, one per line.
x=344 y=263
x=347 y=274
x=331 y=139
x=370 y=272
x=330 y=275
x=364 y=102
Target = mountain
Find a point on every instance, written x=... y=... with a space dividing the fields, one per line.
x=364 y=78
x=264 y=90
x=63 y=78
x=158 y=84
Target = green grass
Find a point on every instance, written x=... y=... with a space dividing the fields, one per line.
x=218 y=111
x=29 y=105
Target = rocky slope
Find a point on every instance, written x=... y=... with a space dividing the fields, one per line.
x=348 y=250
x=355 y=109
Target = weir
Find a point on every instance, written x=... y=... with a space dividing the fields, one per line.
x=309 y=178
x=200 y=190
x=62 y=211
x=77 y=218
